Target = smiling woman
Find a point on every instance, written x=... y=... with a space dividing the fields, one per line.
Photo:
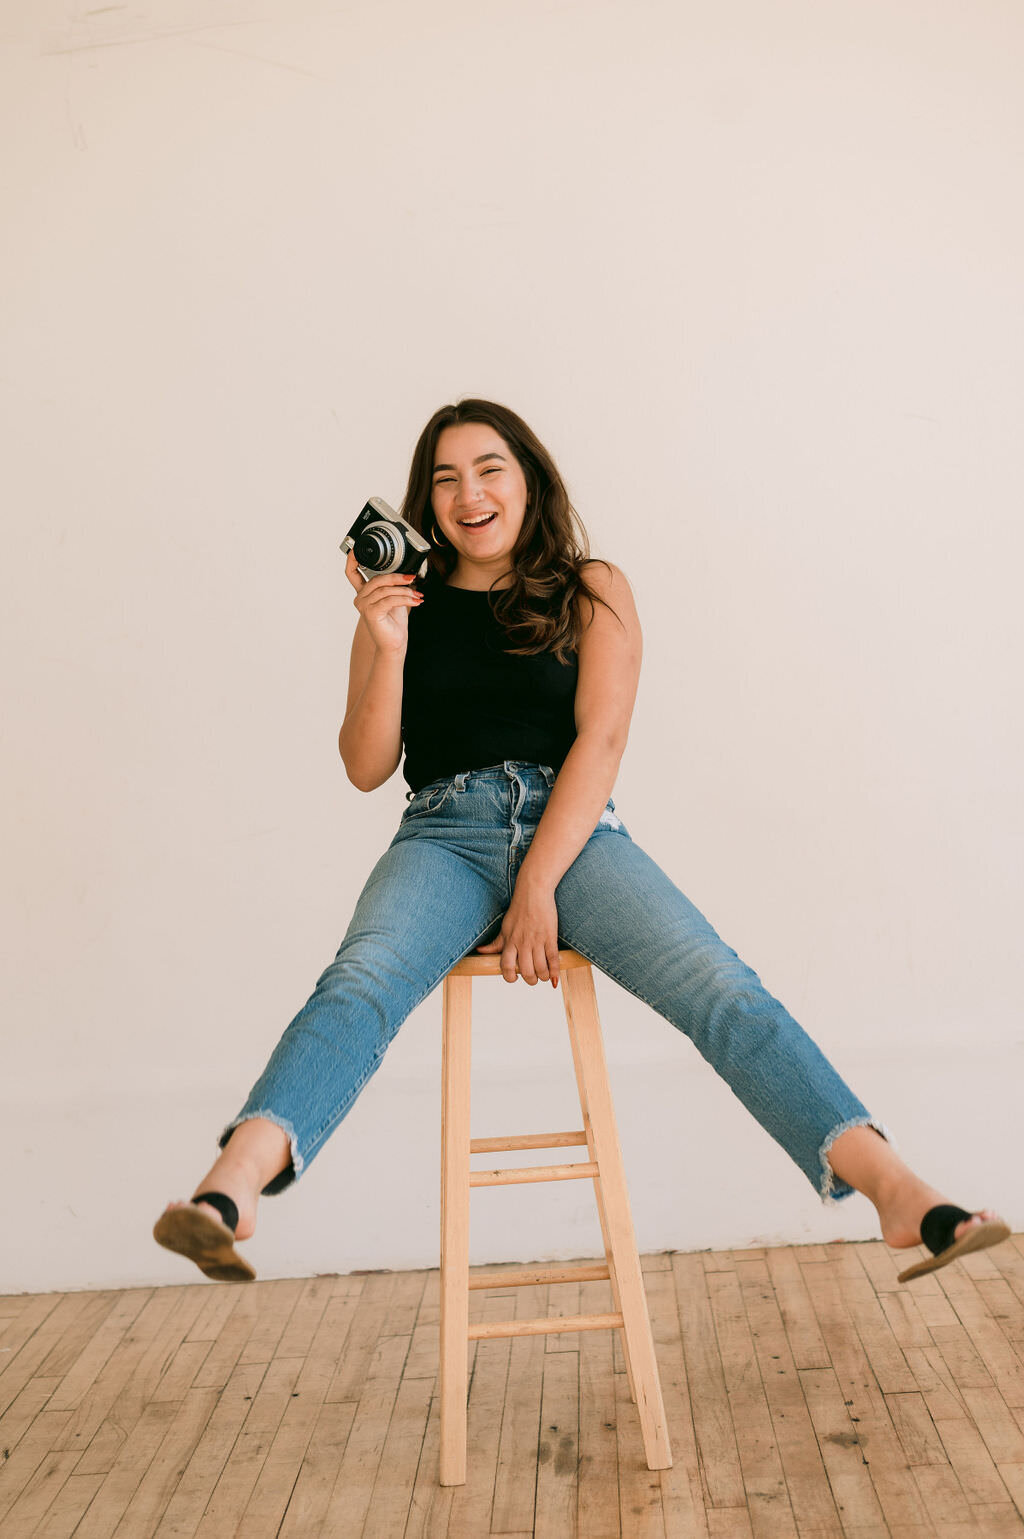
x=510 y=682
x=479 y=500
x=475 y=459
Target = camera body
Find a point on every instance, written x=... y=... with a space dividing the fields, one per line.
x=382 y=541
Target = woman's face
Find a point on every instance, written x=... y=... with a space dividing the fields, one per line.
x=478 y=495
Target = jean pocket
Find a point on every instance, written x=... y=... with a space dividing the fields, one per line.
x=429 y=800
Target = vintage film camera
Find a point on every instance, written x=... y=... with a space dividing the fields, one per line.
x=382 y=541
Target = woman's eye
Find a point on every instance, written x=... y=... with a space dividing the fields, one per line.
x=492 y=470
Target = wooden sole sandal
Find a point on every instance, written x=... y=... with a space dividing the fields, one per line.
x=937 y=1230
x=207 y=1241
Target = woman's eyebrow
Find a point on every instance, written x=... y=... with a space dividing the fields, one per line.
x=478 y=461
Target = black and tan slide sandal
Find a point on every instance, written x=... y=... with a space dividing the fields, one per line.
x=205 y=1240
x=937 y=1230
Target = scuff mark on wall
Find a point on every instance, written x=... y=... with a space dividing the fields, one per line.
x=73 y=29
x=78 y=138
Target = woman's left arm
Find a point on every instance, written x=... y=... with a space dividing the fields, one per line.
x=609 y=653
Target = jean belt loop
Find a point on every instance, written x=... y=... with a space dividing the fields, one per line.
x=460 y=780
x=409 y=795
x=549 y=774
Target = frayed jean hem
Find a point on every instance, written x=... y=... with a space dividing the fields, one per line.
x=833 y=1190
x=291 y=1172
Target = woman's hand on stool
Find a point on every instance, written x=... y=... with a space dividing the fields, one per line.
x=528 y=940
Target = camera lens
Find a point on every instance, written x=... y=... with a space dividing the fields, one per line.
x=379 y=548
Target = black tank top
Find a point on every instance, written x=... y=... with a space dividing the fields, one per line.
x=466 y=703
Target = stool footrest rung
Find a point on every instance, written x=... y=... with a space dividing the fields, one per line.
x=528 y=1276
x=488 y=1328
x=522 y=1173
x=526 y=1141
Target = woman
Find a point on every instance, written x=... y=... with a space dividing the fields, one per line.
x=510 y=680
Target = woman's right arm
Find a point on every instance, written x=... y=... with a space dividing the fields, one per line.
x=370 y=740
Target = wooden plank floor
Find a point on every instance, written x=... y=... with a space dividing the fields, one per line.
x=808 y=1396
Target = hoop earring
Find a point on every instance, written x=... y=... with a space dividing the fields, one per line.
x=440 y=543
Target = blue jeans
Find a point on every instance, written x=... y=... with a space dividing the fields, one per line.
x=441 y=889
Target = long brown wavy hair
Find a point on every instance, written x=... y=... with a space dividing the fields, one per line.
x=540 y=610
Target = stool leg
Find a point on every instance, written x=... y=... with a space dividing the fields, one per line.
x=592 y=1071
x=609 y=1254
x=456 y=1058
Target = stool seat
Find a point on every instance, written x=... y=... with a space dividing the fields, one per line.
x=604 y=1167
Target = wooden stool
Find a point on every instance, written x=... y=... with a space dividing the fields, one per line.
x=604 y=1167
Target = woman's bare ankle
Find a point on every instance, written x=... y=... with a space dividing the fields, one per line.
x=235 y=1182
x=868 y=1163
x=256 y=1152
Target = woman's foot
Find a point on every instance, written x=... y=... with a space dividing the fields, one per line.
x=257 y=1151
x=902 y=1204
x=867 y=1162
x=950 y=1232
x=244 y=1201
x=189 y=1229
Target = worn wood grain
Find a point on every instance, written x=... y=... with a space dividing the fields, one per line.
x=807 y=1394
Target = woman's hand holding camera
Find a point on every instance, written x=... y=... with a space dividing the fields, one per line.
x=384 y=603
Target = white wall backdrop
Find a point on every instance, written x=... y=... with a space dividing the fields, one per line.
x=753 y=273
